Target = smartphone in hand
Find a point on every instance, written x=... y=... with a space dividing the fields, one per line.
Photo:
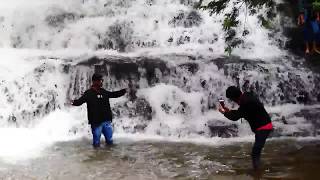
x=221 y=101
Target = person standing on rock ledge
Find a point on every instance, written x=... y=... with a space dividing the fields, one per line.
x=309 y=19
x=251 y=109
x=98 y=108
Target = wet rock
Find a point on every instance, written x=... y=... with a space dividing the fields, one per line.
x=191 y=67
x=203 y=83
x=222 y=129
x=303 y=97
x=66 y=68
x=59 y=19
x=186 y=19
x=273 y=85
x=12 y=119
x=284 y=121
x=312 y=116
x=139 y=127
x=143 y=108
x=123 y=68
x=166 y=108
x=118 y=37
x=183 y=108
x=155 y=70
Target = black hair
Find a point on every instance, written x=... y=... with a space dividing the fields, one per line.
x=233 y=93
x=96 y=77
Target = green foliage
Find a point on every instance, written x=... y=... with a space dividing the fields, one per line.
x=265 y=22
x=232 y=22
x=316 y=5
x=215 y=7
x=229 y=23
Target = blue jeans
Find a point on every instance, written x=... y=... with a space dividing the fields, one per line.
x=106 y=129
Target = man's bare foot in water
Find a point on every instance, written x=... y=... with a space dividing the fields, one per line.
x=314 y=48
x=307 y=51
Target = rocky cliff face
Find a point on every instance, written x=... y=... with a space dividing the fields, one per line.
x=171 y=95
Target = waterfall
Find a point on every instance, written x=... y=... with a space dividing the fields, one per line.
x=125 y=26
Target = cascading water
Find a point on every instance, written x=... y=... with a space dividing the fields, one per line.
x=170 y=55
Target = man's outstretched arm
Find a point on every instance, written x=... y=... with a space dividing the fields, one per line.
x=80 y=101
x=116 y=94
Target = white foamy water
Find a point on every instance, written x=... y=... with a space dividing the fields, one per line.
x=18 y=144
x=130 y=26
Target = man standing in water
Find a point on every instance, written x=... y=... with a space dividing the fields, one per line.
x=251 y=109
x=98 y=108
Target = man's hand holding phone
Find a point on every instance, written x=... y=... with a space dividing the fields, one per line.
x=223 y=109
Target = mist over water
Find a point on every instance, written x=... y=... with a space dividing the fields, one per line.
x=170 y=54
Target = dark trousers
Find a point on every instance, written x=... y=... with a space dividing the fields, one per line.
x=260 y=139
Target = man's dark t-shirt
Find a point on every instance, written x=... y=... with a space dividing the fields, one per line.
x=98 y=105
x=251 y=109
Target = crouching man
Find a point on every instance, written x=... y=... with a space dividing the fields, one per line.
x=251 y=109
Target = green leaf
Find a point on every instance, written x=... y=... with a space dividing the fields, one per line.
x=231 y=21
